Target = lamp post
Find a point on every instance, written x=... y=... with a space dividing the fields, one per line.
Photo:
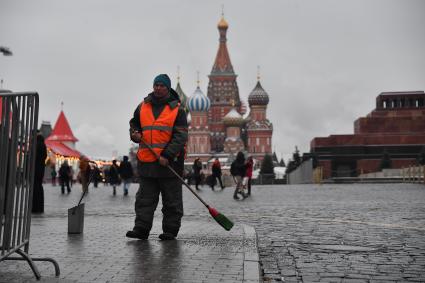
x=6 y=51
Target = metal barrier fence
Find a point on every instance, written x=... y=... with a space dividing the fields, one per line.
x=413 y=174
x=18 y=129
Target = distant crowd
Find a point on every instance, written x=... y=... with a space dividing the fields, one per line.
x=90 y=173
x=241 y=170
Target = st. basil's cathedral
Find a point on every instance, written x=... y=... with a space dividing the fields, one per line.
x=217 y=127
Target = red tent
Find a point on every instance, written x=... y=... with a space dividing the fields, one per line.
x=60 y=138
x=62 y=131
x=62 y=149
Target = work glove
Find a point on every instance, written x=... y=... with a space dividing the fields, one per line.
x=135 y=136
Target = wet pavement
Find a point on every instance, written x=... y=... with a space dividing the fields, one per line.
x=203 y=251
x=306 y=233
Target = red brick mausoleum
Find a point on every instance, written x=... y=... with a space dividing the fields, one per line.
x=396 y=125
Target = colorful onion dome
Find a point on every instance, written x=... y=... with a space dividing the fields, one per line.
x=233 y=118
x=258 y=96
x=222 y=24
x=198 y=101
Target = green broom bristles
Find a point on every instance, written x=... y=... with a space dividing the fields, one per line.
x=221 y=219
x=224 y=221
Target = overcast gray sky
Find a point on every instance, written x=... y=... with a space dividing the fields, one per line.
x=322 y=62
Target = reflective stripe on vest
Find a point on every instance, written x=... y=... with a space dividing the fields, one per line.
x=155 y=132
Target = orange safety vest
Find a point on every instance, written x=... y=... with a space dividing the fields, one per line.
x=156 y=133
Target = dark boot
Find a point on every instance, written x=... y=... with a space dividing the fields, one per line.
x=167 y=236
x=135 y=234
x=235 y=193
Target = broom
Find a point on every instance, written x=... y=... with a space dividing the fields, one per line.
x=220 y=218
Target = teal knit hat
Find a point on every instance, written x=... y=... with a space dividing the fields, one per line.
x=164 y=79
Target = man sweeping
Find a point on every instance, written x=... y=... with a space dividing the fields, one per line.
x=161 y=122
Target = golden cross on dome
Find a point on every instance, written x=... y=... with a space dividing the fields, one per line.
x=62 y=106
x=197 y=77
x=222 y=10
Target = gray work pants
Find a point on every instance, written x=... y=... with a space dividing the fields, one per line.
x=147 y=200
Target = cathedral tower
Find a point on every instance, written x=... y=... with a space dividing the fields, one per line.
x=199 y=134
x=222 y=90
x=259 y=129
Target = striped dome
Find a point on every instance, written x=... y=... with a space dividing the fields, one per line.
x=198 y=101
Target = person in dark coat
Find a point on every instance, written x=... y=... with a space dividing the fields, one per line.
x=53 y=174
x=168 y=139
x=114 y=176
x=96 y=175
x=126 y=173
x=238 y=170
x=64 y=176
x=197 y=167
x=216 y=173
x=40 y=159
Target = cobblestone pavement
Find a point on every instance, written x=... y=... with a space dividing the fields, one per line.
x=340 y=233
x=306 y=233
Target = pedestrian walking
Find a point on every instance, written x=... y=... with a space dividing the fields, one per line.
x=64 y=175
x=114 y=176
x=38 y=191
x=216 y=173
x=96 y=175
x=197 y=168
x=105 y=170
x=84 y=173
x=53 y=174
x=71 y=176
x=238 y=170
x=126 y=173
x=161 y=122
x=248 y=174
